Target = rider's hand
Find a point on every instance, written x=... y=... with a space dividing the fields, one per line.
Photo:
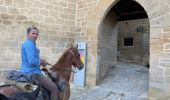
x=43 y=62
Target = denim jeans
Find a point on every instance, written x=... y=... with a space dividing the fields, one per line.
x=45 y=82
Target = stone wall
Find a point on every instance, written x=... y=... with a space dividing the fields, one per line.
x=84 y=33
x=107 y=45
x=54 y=18
x=158 y=12
x=138 y=30
x=64 y=21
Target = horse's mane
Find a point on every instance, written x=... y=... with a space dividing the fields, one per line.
x=64 y=60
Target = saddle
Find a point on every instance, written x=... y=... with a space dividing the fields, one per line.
x=24 y=83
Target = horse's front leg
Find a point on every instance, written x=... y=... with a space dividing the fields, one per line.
x=66 y=94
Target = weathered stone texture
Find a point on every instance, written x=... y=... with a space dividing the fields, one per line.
x=139 y=51
x=54 y=18
x=64 y=21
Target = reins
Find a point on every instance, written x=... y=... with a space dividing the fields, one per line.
x=74 y=71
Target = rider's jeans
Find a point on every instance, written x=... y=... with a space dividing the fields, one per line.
x=48 y=84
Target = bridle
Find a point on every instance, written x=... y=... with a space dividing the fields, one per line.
x=74 y=70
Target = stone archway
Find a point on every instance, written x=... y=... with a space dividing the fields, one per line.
x=159 y=18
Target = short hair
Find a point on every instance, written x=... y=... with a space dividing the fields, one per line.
x=30 y=28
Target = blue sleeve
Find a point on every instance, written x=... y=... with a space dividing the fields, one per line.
x=32 y=55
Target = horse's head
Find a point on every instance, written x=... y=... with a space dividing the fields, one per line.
x=76 y=60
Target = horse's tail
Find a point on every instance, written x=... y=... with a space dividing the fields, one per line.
x=3 y=97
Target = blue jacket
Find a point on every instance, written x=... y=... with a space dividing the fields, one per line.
x=30 y=59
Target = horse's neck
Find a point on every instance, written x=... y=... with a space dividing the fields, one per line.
x=63 y=66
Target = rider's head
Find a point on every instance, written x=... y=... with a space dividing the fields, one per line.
x=32 y=33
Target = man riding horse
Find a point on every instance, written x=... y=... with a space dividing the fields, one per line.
x=31 y=62
x=57 y=84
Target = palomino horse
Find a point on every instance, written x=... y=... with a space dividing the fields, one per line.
x=61 y=69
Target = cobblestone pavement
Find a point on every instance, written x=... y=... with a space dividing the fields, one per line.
x=124 y=82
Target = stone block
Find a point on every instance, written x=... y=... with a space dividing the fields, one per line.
x=8 y=2
x=156 y=41
x=166 y=34
x=64 y=28
x=51 y=33
x=8 y=16
x=156 y=71
x=50 y=7
x=70 y=34
x=13 y=10
x=39 y=4
x=44 y=12
x=165 y=20
x=155 y=33
x=167 y=1
x=7 y=22
x=55 y=2
x=51 y=44
x=33 y=11
x=69 y=23
x=48 y=20
x=12 y=51
x=2 y=2
x=155 y=22
x=91 y=80
x=167 y=71
x=45 y=51
x=13 y=57
x=63 y=39
x=69 y=11
x=53 y=14
x=55 y=27
x=157 y=78
x=63 y=4
x=163 y=64
x=165 y=55
x=19 y=3
x=71 y=5
x=71 y=40
x=155 y=8
x=139 y=1
x=166 y=29
x=3 y=9
x=156 y=48
x=164 y=60
x=167 y=79
x=158 y=94
x=21 y=17
x=71 y=17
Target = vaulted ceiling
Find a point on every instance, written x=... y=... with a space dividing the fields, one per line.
x=128 y=10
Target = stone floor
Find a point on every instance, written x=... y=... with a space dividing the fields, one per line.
x=124 y=82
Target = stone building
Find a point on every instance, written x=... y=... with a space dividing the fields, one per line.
x=135 y=31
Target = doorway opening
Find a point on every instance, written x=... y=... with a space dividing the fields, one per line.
x=123 y=37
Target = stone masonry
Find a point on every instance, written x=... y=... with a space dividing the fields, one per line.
x=68 y=21
x=139 y=52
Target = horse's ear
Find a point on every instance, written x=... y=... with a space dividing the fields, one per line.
x=71 y=45
x=76 y=46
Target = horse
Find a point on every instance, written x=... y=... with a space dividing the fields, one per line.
x=60 y=73
x=63 y=69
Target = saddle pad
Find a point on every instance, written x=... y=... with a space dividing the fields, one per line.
x=23 y=86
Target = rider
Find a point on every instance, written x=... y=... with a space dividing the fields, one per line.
x=31 y=62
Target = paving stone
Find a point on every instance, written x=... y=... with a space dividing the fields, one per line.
x=125 y=82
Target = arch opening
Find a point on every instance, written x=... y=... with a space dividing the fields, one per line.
x=123 y=37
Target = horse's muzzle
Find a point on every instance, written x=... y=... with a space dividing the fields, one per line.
x=80 y=67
